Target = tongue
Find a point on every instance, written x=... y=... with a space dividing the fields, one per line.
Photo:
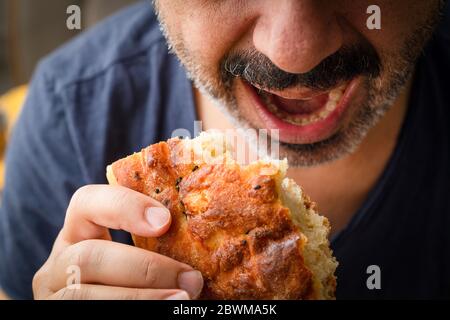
x=294 y=106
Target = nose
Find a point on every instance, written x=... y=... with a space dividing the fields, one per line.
x=296 y=35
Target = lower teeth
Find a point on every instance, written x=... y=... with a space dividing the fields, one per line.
x=333 y=98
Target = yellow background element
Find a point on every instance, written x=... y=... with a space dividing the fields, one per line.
x=3 y=296
x=10 y=105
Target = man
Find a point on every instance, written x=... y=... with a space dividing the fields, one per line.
x=362 y=117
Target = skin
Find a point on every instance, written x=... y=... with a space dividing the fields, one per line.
x=111 y=270
x=296 y=36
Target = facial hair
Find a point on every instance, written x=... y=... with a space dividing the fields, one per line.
x=384 y=77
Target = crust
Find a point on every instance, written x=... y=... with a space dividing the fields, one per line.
x=227 y=221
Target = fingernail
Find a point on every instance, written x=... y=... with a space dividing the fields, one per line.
x=192 y=282
x=180 y=295
x=157 y=217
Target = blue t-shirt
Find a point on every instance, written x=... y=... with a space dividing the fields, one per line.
x=116 y=89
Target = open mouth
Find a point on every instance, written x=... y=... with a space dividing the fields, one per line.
x=302 y=116
x=303 y=111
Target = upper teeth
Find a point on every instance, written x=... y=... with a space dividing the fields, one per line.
x=333 y=98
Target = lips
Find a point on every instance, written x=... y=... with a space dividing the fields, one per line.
x=302 y=116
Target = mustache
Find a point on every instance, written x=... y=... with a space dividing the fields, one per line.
x=343 y=65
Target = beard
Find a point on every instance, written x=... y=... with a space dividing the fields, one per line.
x=384 y=75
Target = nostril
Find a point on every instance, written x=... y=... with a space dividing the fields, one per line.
x=298 y=35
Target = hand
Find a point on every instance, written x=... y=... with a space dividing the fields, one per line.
x=110 y=270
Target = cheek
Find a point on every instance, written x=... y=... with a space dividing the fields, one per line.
x=400 y=19
x=208 y=35
x=202 y=38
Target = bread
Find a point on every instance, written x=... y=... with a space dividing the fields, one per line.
x=252 y=232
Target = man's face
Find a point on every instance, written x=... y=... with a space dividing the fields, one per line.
x=310 y=68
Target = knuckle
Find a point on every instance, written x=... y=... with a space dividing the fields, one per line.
x=125 y=200
x=93 y=254
x=42 y=281
x=149 y=269
x=121 y=201
x=37 y=282
x=121 y=196
x=81 y=193
x=66 y=294
x=79 y=196
x=82 y=254
x=70 y=294
x=85 y=293
x=132 y=294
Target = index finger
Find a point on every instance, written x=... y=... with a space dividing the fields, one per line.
x=95 y=208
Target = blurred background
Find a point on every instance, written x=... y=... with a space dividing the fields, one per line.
x=29 y=30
